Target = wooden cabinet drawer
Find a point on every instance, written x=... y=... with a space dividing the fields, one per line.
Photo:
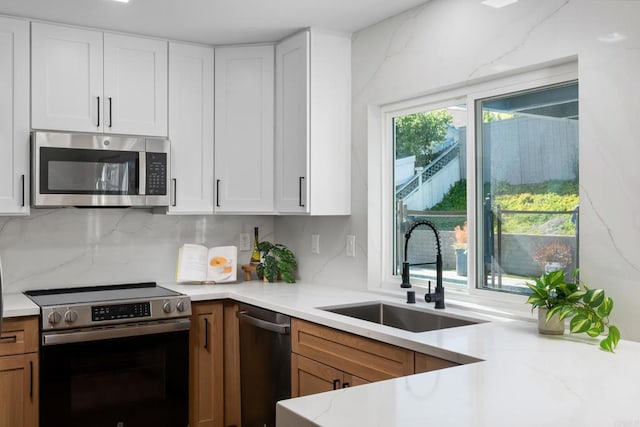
x=426 y=363
x=19 y=335
x=367 y=359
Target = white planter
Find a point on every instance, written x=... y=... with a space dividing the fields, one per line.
x=554 y=326
x=553 y=266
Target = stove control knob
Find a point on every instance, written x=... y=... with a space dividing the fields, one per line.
x=180 y=306
x=166 y=307
x=70 y=316
x=54 y=317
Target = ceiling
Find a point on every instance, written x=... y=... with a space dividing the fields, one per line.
x=212 y=21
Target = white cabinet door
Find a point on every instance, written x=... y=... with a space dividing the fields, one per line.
x=66 y=78
x=244 y=129
x=292 y=124
x=135 y=85
x=313 y=132
x=191 y=128
x=14 y=116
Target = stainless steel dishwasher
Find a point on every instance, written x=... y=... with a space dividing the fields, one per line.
x=265 y=364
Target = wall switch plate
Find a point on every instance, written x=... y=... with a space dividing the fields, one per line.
x=315 y=243
x=351 y=245
x=245 y=242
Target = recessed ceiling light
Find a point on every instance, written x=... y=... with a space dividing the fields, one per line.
x=498 y=3
x=612 y=38
x=122 y=1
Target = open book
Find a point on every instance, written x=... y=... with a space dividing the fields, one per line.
x=199 y=264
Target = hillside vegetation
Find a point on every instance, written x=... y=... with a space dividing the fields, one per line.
x=548 y=196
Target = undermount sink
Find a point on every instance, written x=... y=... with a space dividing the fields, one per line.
x=406 y=318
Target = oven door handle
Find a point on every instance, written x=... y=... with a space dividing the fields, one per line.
x=121 y=331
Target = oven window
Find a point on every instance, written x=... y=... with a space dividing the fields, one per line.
x=135 y=381
x=75 y=171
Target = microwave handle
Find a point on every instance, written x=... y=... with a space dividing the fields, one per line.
x=175 y=192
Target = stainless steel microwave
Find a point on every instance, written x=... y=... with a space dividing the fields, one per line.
x=74 y=169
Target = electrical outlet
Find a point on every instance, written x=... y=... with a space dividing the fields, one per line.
x=351 y=245
x=245 y=242
x=315 y=243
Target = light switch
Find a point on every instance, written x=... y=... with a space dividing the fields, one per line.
x=351 y=245
x=315 y=243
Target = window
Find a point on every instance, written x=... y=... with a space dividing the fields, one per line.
x=430 y=183
x=496 y=171
x=529 y=185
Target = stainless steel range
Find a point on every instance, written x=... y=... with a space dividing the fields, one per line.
x=114 y=355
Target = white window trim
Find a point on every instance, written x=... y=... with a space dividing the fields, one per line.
x=380 y=179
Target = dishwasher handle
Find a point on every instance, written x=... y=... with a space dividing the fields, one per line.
x=279 y=328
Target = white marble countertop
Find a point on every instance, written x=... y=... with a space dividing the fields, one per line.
x=16 y=305
x=523 y=378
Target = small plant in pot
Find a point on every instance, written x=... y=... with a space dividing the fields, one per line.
x=553 y=256
x=588 y=309
x=276 y=262
x=460 y=248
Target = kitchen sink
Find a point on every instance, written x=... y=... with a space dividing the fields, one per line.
x=406 y=318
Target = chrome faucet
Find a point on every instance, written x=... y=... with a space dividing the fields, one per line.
x=438 y=295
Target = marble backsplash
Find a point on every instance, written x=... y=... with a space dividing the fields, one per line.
x=76 y=247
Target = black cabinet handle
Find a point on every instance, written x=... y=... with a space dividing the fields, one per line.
x=9 y=338
x=31 y=380
x=175 y=192
x=217 y=193
x=98 y=124
x=336 y=384
x=22 y=184
x=345 y=385
x=206 y=333
x=300 y=181
x=110 y=114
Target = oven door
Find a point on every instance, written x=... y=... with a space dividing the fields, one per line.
x=87 y=170
x=125 y=381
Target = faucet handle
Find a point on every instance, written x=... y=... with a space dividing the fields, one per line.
x=429 y=284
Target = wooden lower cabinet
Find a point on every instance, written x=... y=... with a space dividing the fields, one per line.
x=325 y=359
x=310 y=377
x=19 y=372
x=426 y=363
x=206 y=366
x=324 y=356
x=232 y=413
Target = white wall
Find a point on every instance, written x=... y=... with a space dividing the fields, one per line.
x=445 y=44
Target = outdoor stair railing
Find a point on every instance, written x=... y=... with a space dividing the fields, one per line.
x=429 y=171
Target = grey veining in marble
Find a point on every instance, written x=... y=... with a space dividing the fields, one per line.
x=74 y=247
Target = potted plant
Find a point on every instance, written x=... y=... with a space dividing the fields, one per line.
x=276 y=262
x=553 y=256
x=460 y=248
x=588 y=309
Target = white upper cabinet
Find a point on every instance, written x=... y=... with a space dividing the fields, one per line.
x=14 y=116
x=313 y=131
x=191 y=128
x=89 y=81
x=244 y=142
x=135 y=85
x=66 y=78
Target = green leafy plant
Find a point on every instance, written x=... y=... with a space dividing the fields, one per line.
x=277 y=261
x=588 y=309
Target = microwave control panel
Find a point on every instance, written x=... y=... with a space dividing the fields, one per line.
x=156 y=174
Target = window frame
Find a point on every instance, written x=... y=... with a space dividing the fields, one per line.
x=380 y=179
